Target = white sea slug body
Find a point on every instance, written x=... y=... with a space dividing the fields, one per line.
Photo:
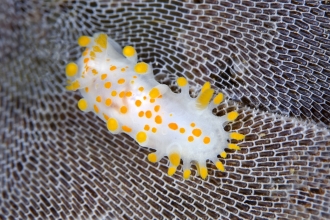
x=124 y=94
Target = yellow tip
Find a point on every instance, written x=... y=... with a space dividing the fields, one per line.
x=141 y=137
x=232 y=116
x=154 y=93
x=223 y=154
x=181 y=81
x=203 y=172
x=175 y=159
x=186 y=174
x=171 y=171
x=220 y=166
x=102 y=40
x=141 y=68
x=71 y=69
x=82 y=104
x=237 y=136
x=218 y=99
x=206 y=86
x=128 y=51
x=204 y=98
x=69 y=87
x=73 y=86
x=83 y=41
x=234 y=147
x=112 y=124
x=152 y=157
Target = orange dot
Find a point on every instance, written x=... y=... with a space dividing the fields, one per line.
x=86 y=89
x=157 y=107
x=105 y=117
x=104 y=76
x=197 y=132
x=94 y=71
x=152 y=100
x=141 y=114
x=128 y=94
x=126 y=128
x=92 y=54
x=206 y=140
x=96 y=109
x=154 y=130
x=122 y=94
x=190 y=138
x=173 y=126
x=138 y=103
x=113 y=68
x=98 y=99
x=86 y=60
x=85 y=52
x=158 y=119
x=114 y=93
x=108 y=102
x=122 y=69
x=141 y=89
x=146 y=127
x=121 y=81
x=182 y=130
x=148 y=114
x=107 y=85
x=123 y=109
x=192 y=124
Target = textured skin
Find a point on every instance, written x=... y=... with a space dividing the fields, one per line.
x=57 y=162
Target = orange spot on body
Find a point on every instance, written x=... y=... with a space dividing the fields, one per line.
x=105 y=117
x=197 y=132
x=107 y=85
x=126 y=128
x=122 y=94
x=114 y=93
x=146 y=127
x=121 y=81
x=173 y=126
x=96 y=109
x=85 y=52
x=94 y=71
x=141 y=114
x=206 y=140
x=157 y=107
x=113 y=68
x=104 y=76
x=158 y=119
x=138 y=103
x=98 y=99
x=108 y=102
x=123 y=109
x=148 y=114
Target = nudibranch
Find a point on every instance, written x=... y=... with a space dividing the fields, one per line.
x=125 y=95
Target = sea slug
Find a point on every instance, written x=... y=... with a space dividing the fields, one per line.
x=125 y=95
